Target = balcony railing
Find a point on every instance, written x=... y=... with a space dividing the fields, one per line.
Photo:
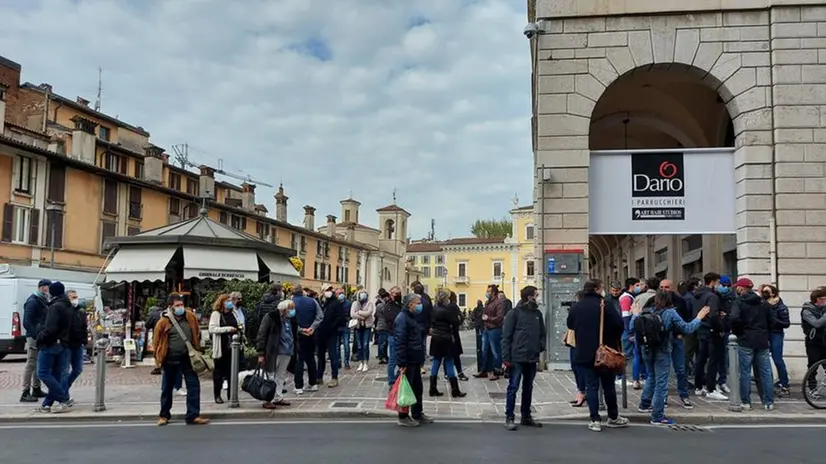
x=461 y=279
x=497 y=279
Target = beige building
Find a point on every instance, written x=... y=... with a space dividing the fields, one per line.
x=747 y=77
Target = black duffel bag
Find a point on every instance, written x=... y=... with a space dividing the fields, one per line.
x=259 y=386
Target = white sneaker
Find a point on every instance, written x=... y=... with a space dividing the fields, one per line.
x=59 y=408
x=724 y=388
x=312 y=388
x=226 y=385
x=365 y=368
x=298 y=391
x=181 y=392
x=595 y=426
x=745 y=407
x=717 y=395
x=700 y=392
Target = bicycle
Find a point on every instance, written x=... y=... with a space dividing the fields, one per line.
x=814 y=388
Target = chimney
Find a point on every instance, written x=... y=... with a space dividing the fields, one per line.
x=331 y=225
x=247 y=196
x=206 y=182
x=3 y=89
x=152 y=164
x=309 y=217
x=281 y=204
x=82 y=101
x=83 y=140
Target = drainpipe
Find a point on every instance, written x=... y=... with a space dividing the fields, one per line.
x=773 y=217
x=45 y=111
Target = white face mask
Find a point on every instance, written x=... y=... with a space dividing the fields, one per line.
x=328 y=294
x=75 y=302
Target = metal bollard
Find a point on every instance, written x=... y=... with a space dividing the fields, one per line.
x=624 y=390
x=233 y=372
x=100 y=374
x=735 y=402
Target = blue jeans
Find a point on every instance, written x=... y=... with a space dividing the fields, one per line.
x=658 y=363
x=344 y=339
x=52 y=363
x=76 y=363
x=363 y=341
x=638 y=368
x=776 y=340
x=329 y=346
x=171 y=372
x=579 y=377
x=678 y=363
x=524 y=372
x=382 y=340
x=450 y=369
x=391 y=361
x=762 y=363
x=179 y=382
x=593 y=380
x=492 y=339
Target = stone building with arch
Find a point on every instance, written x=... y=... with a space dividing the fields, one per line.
x=668 y=74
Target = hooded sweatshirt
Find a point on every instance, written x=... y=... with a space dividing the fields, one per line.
x=751 y=320
x=813 y=322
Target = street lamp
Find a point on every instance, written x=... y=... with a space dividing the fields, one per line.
x=52 y=210
x=381 y=269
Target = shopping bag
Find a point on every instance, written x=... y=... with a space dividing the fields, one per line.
x=259 y=386
x=392 y=398
x=406 y=397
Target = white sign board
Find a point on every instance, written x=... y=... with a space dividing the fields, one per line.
x=661 y=192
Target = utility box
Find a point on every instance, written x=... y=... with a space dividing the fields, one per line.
x=564 y=277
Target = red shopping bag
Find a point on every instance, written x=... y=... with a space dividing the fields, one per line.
x=392 y=398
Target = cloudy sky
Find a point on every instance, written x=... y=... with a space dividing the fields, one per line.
x=431 y=97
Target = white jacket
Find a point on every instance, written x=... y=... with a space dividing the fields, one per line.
x=216 y=331
x=366 y=312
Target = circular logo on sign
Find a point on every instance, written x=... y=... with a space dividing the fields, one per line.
x=668 y=170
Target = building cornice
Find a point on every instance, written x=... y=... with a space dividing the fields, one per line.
x=480 y=248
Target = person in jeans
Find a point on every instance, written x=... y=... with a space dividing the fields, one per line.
x=493 y=318
x=308 y=316
x=364 y=311
x=410 y=357
x=777 y=334
x=78 y=337
x=523 y=339
x=584 y=319
x=443 y=344
x=633 y=287
x=275 y=347
x=658 y=358
x=752 y=319
x=678 y=345
x=172 y=356
x=381 y=325
x=711 y=339
x=53 y=353
x=391 y=311
x=34 y=315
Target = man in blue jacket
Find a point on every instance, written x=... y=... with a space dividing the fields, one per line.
x=34 y=315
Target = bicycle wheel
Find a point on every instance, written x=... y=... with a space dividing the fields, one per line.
x=814 y=385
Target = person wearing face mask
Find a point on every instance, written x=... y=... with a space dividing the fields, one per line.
x=712 y=345
x=381 y=325
x=391 y=310
x=813 y=323
x=275 y=345
x=344 y=329
x=645 y=291
x=777 y=335
x=457 y=353
x=493 y=317
x=53 y=353
x=222 y=326
x=752 y=319
x=626 y=302
x=172 y=356
x=308 y=316
x=34 y=315
x=443 y=345
x=327 y=334
x=363 y=310
x=78 y=337
x=410 y=356
x=727 y=296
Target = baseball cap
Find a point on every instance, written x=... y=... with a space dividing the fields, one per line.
x=725 y=280
x=44 y=283
x=744 y=282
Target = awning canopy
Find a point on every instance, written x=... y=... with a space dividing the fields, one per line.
x=220 y=263
x=140 y=264
x=280 y=266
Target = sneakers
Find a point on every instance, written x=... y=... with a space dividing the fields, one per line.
x=298 y=391
x=664 y=421
x=70 y=402
x=595 y=426
x=510 y=424
x=645 y=410
x=59 y=408
x=407 y=422
x=529 y=422
x=312 y=388
x=618 y=423
x=424 y=419
x=181 y=391
x=687 y=404
x=700 y=392
x=724 y=388
x=745 y=407
x=44 y=409
x=769 y=407
x=717 y=395
x=332 y=384
x=637 y=385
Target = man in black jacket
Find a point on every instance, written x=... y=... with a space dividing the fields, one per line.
x=392 y=308
x=752 y=319
x=711 y=339
x=52 y=344
x=78 y=337
x=523 y=338
x=327 y=334
x=34 y=315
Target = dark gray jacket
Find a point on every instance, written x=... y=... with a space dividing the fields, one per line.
x=523 y=334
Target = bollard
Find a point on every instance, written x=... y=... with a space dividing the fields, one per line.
x=233 y=372
x=100 y=374
x=624 y=391
x=735 y=402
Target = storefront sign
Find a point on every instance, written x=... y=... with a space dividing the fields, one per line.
x=650 y=192
x=221 y=275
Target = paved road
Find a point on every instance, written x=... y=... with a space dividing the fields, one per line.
x=366 y=443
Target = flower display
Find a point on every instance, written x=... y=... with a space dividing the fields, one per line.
x=297 y=263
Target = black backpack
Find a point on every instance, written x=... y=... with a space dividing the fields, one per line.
x=649 y=328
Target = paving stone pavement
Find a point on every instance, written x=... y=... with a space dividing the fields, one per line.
x=134 y=394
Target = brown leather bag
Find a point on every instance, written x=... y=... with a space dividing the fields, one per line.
x=607 y=358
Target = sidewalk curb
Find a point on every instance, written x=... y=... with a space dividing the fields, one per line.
x=706 y=419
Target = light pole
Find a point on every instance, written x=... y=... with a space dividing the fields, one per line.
x=52 y=210
x=381 y=269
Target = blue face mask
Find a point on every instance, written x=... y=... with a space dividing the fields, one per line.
x=342 y=297
x=228 y=305
x=179 y=310
x=291 y=313
x=418 y=308
x=722 y=289
x=487 y=296
x=637 y=290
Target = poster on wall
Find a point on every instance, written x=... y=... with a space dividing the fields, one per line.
x=667 y=191
x=657 y=187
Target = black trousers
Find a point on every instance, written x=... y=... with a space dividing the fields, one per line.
x=306 y=357
x=223 y=366
x=710 y=359
x=814 y=353
x=414 y=376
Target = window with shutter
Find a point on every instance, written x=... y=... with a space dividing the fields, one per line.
x=222 y=217
x=23 y=172
x=138 y=169
x=110 y=196
x=175 y=206
x=329 y=271
x=57 y=183
x=108 y=231
x=21 y=224
x=54 y=223
x=135 y=202
x=133 y=231
x=8 y=222
x=34 y=227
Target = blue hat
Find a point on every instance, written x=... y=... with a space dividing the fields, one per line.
x=44 y=283
x=725 y=280
x=57 y=289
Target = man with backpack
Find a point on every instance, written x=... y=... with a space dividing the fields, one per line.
x=654 y=328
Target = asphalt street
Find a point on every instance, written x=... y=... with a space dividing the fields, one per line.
x=367 y=443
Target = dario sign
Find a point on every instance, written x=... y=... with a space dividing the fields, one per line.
x=657 y=187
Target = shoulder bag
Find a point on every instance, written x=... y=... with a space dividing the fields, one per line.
x=607 y=358
x=200 y=363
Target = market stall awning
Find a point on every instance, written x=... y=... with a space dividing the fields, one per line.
x=280 y=266
x=140 y=264
x=220 y=263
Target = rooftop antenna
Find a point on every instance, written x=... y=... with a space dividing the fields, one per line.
x=351 y=194
x=433 y=229
x=394 y=195
x=100 y=88
x=515 y=200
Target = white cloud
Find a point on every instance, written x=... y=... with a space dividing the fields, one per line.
x=431 y=97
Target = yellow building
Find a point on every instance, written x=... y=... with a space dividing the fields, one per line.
x=72 y=177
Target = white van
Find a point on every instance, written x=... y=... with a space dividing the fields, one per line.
x=17 y=283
